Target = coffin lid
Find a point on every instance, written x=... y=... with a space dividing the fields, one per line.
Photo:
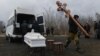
x=33 y=35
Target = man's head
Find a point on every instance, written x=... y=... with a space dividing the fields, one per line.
x=76 y=16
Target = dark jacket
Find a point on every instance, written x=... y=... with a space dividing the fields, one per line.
x=36 y=27
x=95 y=25
x=87 y=27
x=24 y=28
x=98 y=27
x=72 y=26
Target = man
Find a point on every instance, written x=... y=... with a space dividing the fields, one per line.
x=98 y=30
x=35 y=26
x=95 y=29
x=52 y=30
x=24 y=27
x=95 y=25
x=47 y=31
x=87 y=28
x=73 y=29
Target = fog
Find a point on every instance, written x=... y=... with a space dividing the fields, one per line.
x=81 y=7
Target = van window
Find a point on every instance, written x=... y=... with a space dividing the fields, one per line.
x=25 y=17
x=11 y=21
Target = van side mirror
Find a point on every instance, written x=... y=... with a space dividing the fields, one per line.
x=40 y=19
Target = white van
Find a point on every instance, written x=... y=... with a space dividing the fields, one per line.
x=13 y=28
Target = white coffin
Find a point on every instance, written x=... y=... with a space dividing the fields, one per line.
x=34 y=40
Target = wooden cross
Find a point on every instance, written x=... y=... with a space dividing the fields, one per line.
x=62 y=7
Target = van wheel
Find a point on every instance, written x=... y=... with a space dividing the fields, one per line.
x=10 y=39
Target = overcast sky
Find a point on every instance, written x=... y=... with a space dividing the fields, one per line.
x=82 y=7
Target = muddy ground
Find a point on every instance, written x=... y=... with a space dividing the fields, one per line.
x=90 y=46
